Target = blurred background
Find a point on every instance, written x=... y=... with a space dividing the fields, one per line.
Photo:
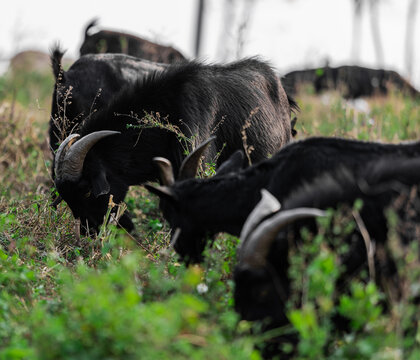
x=291 y=34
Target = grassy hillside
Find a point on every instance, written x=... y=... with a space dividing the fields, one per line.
x=121 y=296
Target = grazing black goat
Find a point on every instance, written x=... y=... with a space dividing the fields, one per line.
x=353 y=81
x=108 y=154
x=262 y=282
x=107 y=41
x=199 y=208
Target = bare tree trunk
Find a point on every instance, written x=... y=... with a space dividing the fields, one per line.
x=357 y=26
x=409 y=37
x=374 y=23
x=225 y=36
x=199 y=27
x=243 y=27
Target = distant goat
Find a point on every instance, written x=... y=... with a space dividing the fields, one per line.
x=352 y=81
x=200 y=208
x=106 y=41
x=262 y=282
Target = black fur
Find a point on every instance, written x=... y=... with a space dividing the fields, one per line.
x=204 y=207
x=200 y=100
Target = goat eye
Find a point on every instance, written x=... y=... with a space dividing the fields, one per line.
x=87 y=194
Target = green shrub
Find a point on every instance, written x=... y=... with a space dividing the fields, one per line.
x=112 y=314
x=318 y=299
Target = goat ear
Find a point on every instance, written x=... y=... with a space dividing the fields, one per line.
x=100 y=185
x=234 y=163
x=164 y=192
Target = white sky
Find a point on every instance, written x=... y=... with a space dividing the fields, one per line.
x=291 y=34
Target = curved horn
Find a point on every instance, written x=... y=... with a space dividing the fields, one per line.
x=71 y=166
x=190 y=165
x=62 y=149
x=165 y=170
x=254 y=251
x=266 y=206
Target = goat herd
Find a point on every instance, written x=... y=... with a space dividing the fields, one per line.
x=118 y=120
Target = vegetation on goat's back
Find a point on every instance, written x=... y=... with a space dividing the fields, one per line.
x=126 y=296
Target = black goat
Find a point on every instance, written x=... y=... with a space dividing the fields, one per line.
x=193 y=99
x=262 y=282
x=204 y=207
x=352 y=81
x=106 y=41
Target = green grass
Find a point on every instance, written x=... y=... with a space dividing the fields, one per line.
x=118 y=296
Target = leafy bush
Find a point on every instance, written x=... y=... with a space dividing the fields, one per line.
x=318 y=300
